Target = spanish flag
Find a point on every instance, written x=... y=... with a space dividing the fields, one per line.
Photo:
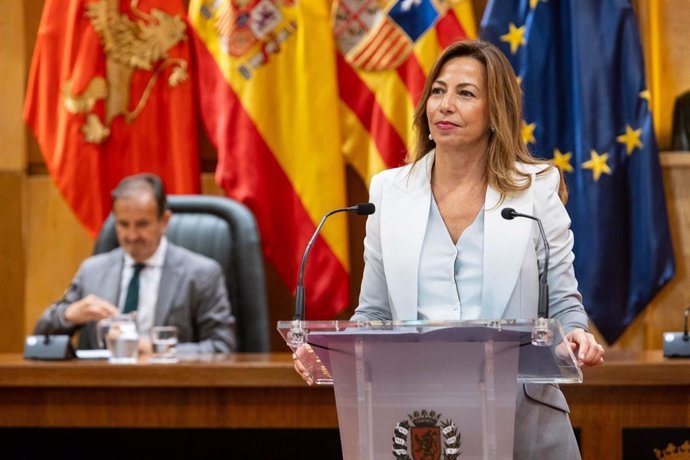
x=109 y=95
x=269 y=97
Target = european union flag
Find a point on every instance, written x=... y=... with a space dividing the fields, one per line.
x=586 y=106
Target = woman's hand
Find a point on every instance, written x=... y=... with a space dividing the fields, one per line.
x=585 y=347
x=304 y=354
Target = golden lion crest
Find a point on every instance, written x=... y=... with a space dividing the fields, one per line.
x=128 y=46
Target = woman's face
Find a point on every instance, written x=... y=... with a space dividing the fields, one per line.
x=458 y=108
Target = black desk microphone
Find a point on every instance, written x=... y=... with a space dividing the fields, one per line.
x=363 y=209
x=543 y=308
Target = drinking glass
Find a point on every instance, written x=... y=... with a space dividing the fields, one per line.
x=122 y=340
x=164 y=344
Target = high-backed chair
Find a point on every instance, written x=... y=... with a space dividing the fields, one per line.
x=226 y=231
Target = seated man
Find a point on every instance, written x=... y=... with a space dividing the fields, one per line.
x=170 y=285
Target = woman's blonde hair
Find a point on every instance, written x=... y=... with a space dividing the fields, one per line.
x=506 y=147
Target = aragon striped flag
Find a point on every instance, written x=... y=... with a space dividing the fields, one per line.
x=109 y=95
x=386 y=48
x=587 y=108
x=269 y=97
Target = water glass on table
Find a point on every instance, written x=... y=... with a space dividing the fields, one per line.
x=164 y=344
x=123 y=341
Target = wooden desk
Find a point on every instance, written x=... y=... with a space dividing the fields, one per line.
x=238 y=391
x=632 y=390
x=263 y=391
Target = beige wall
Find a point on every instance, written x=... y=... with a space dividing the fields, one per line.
x=41 y=243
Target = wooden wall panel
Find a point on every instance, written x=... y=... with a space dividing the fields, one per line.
x=32 y=18
x=12 y=262
x=56 y=245
x=12 y=68
x=12 y=166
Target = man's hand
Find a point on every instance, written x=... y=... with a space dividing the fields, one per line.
x=90 y=308
x=145 y=347
x=585 y=347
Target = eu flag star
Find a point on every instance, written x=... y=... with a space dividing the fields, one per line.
x=597 y=164
x=562 y=160
x=533 y=3
x=631 y=139
x=528 y=132
x=515 y=36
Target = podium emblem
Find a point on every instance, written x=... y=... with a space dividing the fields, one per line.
x=426 y=443
x=423 y=437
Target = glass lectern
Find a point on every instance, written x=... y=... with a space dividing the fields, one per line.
x=429 y=389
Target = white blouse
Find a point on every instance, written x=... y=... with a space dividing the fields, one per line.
x=450 y=275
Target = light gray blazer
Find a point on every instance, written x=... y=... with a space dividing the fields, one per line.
x=192 y=296
x=513 y=258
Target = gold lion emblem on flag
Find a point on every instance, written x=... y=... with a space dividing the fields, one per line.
x=129 y=46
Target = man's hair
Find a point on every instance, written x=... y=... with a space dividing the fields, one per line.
x=146 y=182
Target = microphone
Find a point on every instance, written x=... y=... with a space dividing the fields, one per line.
x=542 y=336
x=362 y=209
x=543 y=305
x=677 y=344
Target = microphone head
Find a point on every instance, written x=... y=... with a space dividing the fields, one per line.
x=364 y=209
x=508 y=213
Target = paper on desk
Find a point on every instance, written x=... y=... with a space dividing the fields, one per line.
x=93 y=354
